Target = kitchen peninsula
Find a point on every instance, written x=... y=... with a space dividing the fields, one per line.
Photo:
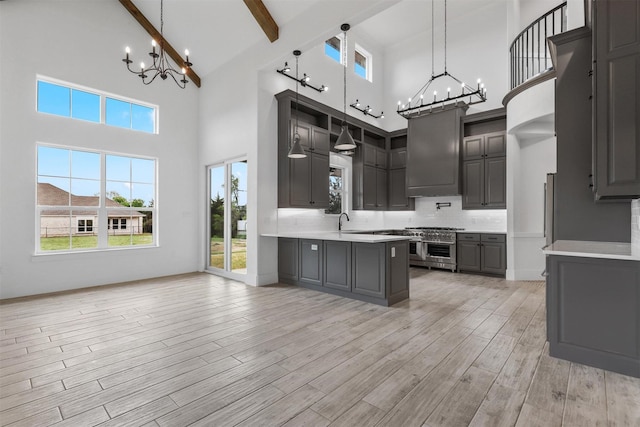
x=368 y=267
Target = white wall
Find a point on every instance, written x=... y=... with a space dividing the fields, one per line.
x=83 y=43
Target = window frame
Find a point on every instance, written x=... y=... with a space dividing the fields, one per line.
x=102 y=210
x=103 y=104
x=369 y=62
x=343 y=47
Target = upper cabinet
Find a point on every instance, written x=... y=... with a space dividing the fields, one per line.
x=398 y=199
x=616 y=105
x=484 y=161
x=433 y=147
x=303 y=183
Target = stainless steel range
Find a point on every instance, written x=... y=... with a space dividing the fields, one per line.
x=432 y=246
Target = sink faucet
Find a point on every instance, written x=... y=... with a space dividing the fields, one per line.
x=340 y=220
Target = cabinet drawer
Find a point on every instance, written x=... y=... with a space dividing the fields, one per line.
x=469 y=237
x=497 y=238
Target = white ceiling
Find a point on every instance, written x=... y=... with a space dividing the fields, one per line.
x=215 y=31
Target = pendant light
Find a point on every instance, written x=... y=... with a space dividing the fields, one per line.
x=345 y=141
x=296 y=151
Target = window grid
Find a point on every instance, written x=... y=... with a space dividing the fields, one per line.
x=141 y=117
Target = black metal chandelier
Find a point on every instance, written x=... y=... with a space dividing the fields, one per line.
x=418 y=105
x=161 y=66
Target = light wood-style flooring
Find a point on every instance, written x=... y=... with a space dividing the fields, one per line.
x=201 y=350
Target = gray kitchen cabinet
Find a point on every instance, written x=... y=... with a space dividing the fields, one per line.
x=302 y=183
x=398 y=199
x=398 y=158
x=482 y=252
x=373 y=272
x=369 y=269
x=337 y=265
x=493 y=254
x=484 y=171
x=468 y=252
x=373 y=192
x=616 y=26
x=309 y=181
x=311 y=261
x=288 y=259
x=374 y=156
x=593 y=306
x=433 y=148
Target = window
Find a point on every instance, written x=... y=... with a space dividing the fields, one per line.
x=71 y=205
x=336 y=190
x=63 y=99
x=333 y=48
x=362 y=63
x=85 y=225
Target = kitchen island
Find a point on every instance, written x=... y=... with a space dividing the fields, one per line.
x=593 y=304
x=368 y=267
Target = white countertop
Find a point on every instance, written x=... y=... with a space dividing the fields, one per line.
x=344 y=236
x=610 y=250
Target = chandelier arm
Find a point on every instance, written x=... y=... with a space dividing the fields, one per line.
x=181 y=85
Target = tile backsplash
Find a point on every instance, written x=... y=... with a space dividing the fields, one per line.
x=426 y=214
x=635 y=227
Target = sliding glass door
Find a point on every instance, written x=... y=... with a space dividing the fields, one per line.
x=227 y=249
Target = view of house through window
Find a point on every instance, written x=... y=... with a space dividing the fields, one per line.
x=228 y=217
x=73 y=212
x=362 y=63
x=336 y=190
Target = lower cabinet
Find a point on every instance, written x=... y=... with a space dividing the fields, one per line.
x=480 y=252
x=593 y=307
x=337 y=265
x=371 y=272
x=311 y=261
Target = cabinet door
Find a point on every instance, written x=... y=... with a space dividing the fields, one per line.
x=398 y=189
x=337 y=265
x=468 y=255
x=304 y=130
x=495 y=144
x=368 y=269
x=320 y=140
x=398 y=256
x=311 y=261
x=369 y=154
x=473 y=147
x=398 y=158
x=493 y=258
x=616 y=107
x=495 y=183
x=381 y=189
x=473 y=184
x=381 y=158
x=369 y=191
x=319 y=181
x=287 y=259
x=300 y=182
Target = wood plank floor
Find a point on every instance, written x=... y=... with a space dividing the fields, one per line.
x=201 y=350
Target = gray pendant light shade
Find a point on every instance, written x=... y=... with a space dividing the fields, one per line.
x=345 y=141
x=296 y=151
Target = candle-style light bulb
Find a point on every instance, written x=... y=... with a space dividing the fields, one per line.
x=186 y=52
x=448 y=92
x=435 y=93
x=142 y=65
x=153 y=42
x=127 y=50
x=478 y=81
x=462 y=87
x=184 y=71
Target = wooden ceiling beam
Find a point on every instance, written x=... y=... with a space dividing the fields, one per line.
x=155 y=34
x=264 y=18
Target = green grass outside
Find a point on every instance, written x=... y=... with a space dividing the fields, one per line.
x=238 y=253
x=88 y=242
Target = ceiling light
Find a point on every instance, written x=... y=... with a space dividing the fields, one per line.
x=468 y=95
x=161 y=66
x=345 y=142
x=296 y=151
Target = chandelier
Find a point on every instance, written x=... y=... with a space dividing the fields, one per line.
x=418 y=105
x=161 y=66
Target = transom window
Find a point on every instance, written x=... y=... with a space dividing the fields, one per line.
x=72 y=207
x=66 y=100
x=362 y=63
x=333 y=48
